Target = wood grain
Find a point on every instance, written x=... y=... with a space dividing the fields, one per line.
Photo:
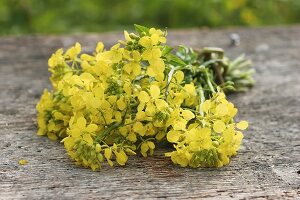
x=267 y=166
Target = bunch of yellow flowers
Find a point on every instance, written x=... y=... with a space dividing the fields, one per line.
x=116 y=102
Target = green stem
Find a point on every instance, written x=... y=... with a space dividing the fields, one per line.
x=209 y=62
x=170 y=75
x=108 y=130
x=112 y=127
x=201 y=100
x=209 y=83
x=103 y=117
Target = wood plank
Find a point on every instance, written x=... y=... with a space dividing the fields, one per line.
x=267 y=166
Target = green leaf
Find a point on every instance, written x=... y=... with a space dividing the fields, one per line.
x=166 y=49
x=174 y=60
x=140 y=29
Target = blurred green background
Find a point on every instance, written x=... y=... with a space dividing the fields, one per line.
x=73 y=16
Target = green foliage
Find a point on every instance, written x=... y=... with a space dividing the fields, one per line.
x=57 y=16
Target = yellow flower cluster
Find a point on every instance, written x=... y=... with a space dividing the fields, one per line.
x=209 y=140
x=108 y=105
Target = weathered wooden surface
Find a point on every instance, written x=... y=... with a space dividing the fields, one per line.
x=267 y=166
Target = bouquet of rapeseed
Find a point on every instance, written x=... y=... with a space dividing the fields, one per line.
x=116 y=102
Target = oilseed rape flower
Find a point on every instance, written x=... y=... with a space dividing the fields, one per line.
x=215 y=134
x=111 y=104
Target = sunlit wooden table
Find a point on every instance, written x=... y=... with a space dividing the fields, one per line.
x=267 y=166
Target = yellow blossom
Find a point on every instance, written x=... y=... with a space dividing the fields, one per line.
x=73 y=51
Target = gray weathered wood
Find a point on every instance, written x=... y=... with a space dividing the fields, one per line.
x=267 y=166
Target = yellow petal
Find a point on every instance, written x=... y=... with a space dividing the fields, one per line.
x=98 y=148
x=75 y=80
x=139 y=128
x=136 y=55
x=154 y=91
x=110 y=163
x=150 y=71
x=151 y=145
x=222 y=109
x=206 y=105
x=131 y=137
x=69 y=142
x=150 y=109
x=75 y=132
x=58 y=116
x=86 y=57
x=123 y=131
x=161 y=104
x=143 y=97
x=190 y=89
x=127 y=88
x=78 y=47
x=156 y=53
x=88 y=138
x=91 y=128
x=233 y=112
x=100 y=47
x=95 y=102
x=145 y=41
x=127 y=68
x=179 y=124
x=107 y=153
x=157 y=65
x=118 y=116
x=205 y=132
x=105 y=104
x=121 y=157
x=130 y=152
x=144 y=149
x=188 y=115
x=159 y=136
x=179 y=76
x=147 y=54
x=173 y=136
x=242 y=125
x=191 y=135
x=116 y=46
x=219 y=126
x=127 y=37
x=99 y=92
x=23 y=162
x=152 y=30
x=154 y=39
x=136 y=70
x=141 y=106
x=162 y=39
x=121 y=103
x=140 y=115
x=81 y=123
x=87 y=77
x=112 y=99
